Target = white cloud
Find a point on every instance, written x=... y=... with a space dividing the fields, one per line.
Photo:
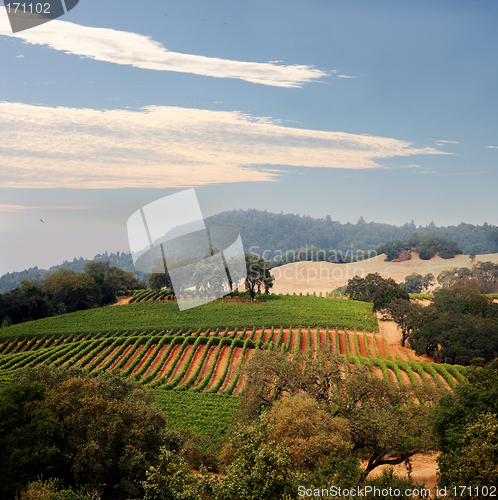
x=169 y=147
x=492 y=147
x=121 y=47
x=440 y=142
x=19 y=56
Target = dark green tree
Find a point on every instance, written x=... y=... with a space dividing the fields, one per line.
x=374 y=288
x=31 y=439
x=112 y=429
x=258 y=275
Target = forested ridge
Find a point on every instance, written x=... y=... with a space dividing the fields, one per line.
x=262 y=230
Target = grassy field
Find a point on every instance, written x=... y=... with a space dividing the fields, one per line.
x=161 y=316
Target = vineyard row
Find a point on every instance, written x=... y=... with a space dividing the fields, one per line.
x=211 y=361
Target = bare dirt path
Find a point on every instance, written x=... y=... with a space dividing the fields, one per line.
x=392 y=336
x=424 y=468
x=125 y=299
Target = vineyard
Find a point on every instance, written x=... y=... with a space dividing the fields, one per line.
x=211 y=360
x=194 y=360
x=159 y=316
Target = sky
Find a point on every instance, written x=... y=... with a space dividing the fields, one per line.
x=385 y=110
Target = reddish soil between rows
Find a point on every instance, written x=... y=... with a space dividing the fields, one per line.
x=361 y=343
x=243 y=379
x=164 y=363
x=107 y=358
x=342 y=342
x=159 y=356
x=144 y=358
x=233 y=368
x=194 y=363
x=120 y=357
x=220 y=366
x=206 y=366
x=304 y=339
x=133 y=357
x=181 y=362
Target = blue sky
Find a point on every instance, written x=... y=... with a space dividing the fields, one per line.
x=384 y=109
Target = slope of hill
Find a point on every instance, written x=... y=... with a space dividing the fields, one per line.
x=122 y=260
x=201 y=358
x=325 y=276
x=163 y=316
x=283 y=232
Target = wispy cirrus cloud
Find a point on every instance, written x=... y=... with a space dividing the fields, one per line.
x=17 y=208
x=121 y=47
x=492 y=147
x=163 y=147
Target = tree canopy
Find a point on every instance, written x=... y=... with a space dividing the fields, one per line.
x=427 y=246
x=459 y=325
x=374 y=288
x=99 y=433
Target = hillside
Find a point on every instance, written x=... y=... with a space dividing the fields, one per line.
x=164 y=315
x=203 y=357
x=325 y=277
x=282 y=232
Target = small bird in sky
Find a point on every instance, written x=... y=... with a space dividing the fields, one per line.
x=165 y=14
x=42 y=221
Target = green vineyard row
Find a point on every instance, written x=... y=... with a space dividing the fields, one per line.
x=204 y=360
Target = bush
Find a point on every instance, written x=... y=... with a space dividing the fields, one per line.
x=50 y=490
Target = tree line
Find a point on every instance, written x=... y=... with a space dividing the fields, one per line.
x=64 y=291
x=121 y=260
x=269 y=231
x=459 y=325
x=427 y=246
x=281 y=233
x=303 y=424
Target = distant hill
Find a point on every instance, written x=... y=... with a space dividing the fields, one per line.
x=122 y=260
x=263 y=230
x=270 y=231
